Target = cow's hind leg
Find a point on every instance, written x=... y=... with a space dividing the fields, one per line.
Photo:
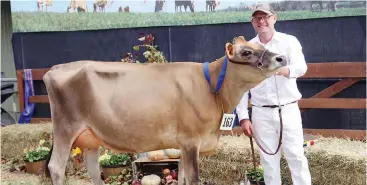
x=190 y=161
x=91 y=161
x=59 y=157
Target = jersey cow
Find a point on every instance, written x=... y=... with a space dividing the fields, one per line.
x=132 y=107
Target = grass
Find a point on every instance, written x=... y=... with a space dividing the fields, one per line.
x=40 y=21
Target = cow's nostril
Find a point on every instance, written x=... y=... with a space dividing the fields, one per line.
x=279 y=59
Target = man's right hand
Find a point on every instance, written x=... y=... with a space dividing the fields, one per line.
x=247 y=127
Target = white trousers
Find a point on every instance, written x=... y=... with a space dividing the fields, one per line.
x=267 y=131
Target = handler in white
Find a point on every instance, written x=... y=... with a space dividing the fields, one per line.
x=265 y=124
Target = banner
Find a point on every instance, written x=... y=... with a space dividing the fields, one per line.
x=71 y=15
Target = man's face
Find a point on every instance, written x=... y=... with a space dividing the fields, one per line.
x=263 y=22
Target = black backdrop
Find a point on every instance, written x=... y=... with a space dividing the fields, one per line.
x=340 y=39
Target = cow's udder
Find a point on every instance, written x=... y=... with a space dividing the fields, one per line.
x=87 y=139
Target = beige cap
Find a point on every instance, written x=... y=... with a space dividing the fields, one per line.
x=263 y=8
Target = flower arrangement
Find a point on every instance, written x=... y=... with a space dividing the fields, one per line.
x=152 y=54
x=37 y=152
x=111 y=159
x=252 y=175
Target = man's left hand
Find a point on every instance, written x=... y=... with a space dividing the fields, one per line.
x=283 y=71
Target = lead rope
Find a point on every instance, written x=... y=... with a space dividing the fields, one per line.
x=281 y=128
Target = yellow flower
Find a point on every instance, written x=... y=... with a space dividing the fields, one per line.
x=105 y=156
x=76 y=151
x=25 y=150
x=42 y=142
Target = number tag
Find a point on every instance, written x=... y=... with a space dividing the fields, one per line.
x=227 y=122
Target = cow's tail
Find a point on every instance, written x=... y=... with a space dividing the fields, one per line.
x=47 y=171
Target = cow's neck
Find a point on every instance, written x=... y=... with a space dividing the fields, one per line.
x=239 y=79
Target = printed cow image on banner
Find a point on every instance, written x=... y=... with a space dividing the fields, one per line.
x=72 y=15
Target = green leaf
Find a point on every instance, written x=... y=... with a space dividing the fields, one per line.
x=136 y=48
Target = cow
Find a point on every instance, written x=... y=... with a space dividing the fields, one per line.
x=41 y=3
x=159 y=5
x=179 y=4
x=211 y=5
x=79 y=5
x=141 y=107
x=101 y=5
x=126 y=9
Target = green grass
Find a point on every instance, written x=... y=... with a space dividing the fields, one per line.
x=34 y=21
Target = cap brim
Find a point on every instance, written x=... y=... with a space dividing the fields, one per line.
x=262 y=10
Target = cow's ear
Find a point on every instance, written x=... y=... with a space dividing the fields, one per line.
x=239 y=39
x=229 y=50
x=242 y=38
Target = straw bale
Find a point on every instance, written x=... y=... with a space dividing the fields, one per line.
x=332 y=161
x=337 y=161
x=228 y=164
x=14 y=138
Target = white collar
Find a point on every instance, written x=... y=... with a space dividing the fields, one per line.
x=276 y=37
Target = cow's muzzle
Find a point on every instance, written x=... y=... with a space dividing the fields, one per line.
x=280 y=59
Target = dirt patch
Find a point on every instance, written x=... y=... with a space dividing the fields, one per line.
x=14 y=172
x=19 y=177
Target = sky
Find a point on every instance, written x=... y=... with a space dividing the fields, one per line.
x=135 y=5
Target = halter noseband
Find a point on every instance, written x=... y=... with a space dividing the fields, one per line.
x=259 y=63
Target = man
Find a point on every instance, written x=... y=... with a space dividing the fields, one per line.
x=265 y=125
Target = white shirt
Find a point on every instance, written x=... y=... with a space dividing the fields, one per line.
x=266 y=92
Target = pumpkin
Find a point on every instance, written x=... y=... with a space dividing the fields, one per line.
x=151 y=179
x=169 y=177
x=166 y=171
x=173 y=153
x=156 y=155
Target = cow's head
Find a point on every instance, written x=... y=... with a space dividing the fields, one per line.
x=242 y=52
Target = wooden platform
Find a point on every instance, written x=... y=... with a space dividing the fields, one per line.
x=147 y=167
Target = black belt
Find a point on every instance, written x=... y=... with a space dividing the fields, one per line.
x=274 y=106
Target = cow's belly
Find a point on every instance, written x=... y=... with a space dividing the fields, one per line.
x=87 y=138
x=209 y=144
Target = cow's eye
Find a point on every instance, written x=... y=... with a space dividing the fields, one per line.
x=246 y=53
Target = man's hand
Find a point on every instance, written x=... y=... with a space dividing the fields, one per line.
x=283 y=71
x=247 y=127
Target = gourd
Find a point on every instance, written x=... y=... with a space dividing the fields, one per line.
x=151 y=179
x=156 y=155
x=166 y=171
x=173 y=153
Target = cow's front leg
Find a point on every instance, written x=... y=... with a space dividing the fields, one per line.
x=181 y=173
x=191 y=165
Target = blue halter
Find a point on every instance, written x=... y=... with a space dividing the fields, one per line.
x=221 y=75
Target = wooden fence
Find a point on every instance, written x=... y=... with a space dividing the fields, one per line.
x=350 y=72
